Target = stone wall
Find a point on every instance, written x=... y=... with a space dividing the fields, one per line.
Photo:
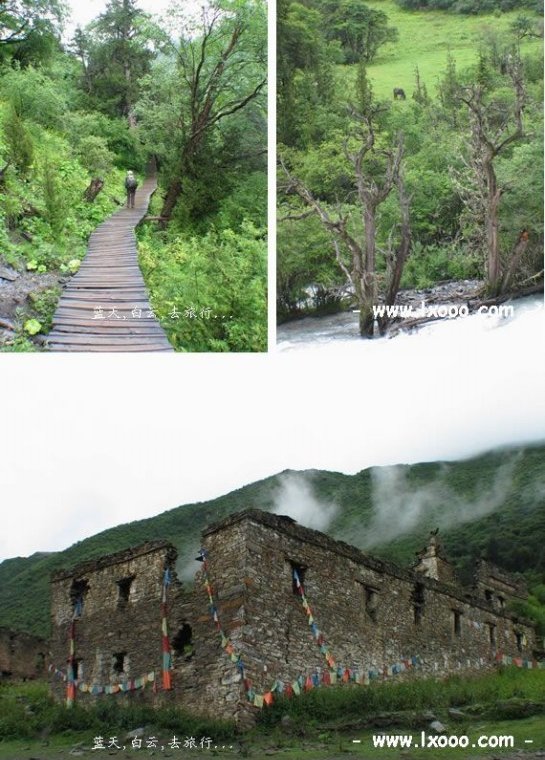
x=372 y=614
x=118 y=622
x=22 y=656
x=115 y=606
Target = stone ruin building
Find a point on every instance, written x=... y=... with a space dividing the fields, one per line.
x=275 y=607
x=22 y=656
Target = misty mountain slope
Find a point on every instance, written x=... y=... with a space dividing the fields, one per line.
x=492 y=504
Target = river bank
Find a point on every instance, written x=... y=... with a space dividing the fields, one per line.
x=445 y=303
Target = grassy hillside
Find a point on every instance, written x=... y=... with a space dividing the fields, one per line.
x=500 y=498
x=425 y=38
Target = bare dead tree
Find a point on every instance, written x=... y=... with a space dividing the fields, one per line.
x=491 y=133
x=372 y=191
x=395 y=259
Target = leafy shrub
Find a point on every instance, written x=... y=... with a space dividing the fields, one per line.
x=44 y=304
x=428 y=265
x=34 y=96
x=209 y=291
x=94 y=155
x=19 y=142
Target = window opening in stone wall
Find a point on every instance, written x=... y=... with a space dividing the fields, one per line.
x=182 y=643
x=78 y=591
x=492 y=634
x=488 y=595
x=301 y=574
x=77 y=669
x=124 y=591
x=119 y=661
x=518 y=637
x=418 y=602
x=457 y=622
x=371 y=602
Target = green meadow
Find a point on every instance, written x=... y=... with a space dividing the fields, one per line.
x=425 y=38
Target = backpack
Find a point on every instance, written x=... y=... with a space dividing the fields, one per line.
x=131 y=183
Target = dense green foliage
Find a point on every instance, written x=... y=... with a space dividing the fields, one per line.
x=209 y=290
x=471 y=6
x=496 y=509
x=435 y=58
x=109 y=100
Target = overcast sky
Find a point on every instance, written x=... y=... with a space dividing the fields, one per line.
x=84 y=11
x=88 y=442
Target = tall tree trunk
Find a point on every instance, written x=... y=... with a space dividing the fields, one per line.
x=516 y=256
x=171 y=198
x=404 y=246
x=369 y=289
x=176 y=186
x=357 y=279
x=492 y=226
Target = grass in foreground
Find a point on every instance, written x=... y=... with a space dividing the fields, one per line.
x=318 y=746
x=320 y=724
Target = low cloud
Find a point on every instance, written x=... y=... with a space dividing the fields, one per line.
x=186 y=567
x=295 y=497
x=400 y=507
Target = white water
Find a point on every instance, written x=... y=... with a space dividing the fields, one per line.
x=312 y=332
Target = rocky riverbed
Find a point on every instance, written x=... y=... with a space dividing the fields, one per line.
x=17 y=289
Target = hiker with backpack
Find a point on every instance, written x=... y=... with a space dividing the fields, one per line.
x=131 y=183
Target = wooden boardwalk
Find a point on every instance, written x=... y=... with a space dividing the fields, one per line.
x=105 y=306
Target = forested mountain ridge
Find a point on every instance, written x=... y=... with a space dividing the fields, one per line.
x=76 y=114
x=492 y=505
x=385 y=179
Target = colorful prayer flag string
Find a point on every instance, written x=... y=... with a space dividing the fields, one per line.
x=520 y=662
x=318 y=635
x=166 y=658
x=122 y=686
x=226 y=643
x=333 y=675
x=71 y=675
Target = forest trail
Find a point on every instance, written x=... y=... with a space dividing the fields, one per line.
x=105 y=306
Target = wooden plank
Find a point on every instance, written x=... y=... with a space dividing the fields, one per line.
x=74 y=287
x=109 y=349
x=79 y=306
x=154 y=331
x=134 y=296
x=146 y=323
x=112 y=340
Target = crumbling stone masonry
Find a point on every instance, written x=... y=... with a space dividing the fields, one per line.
x=22 y=656
x=371 y=612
